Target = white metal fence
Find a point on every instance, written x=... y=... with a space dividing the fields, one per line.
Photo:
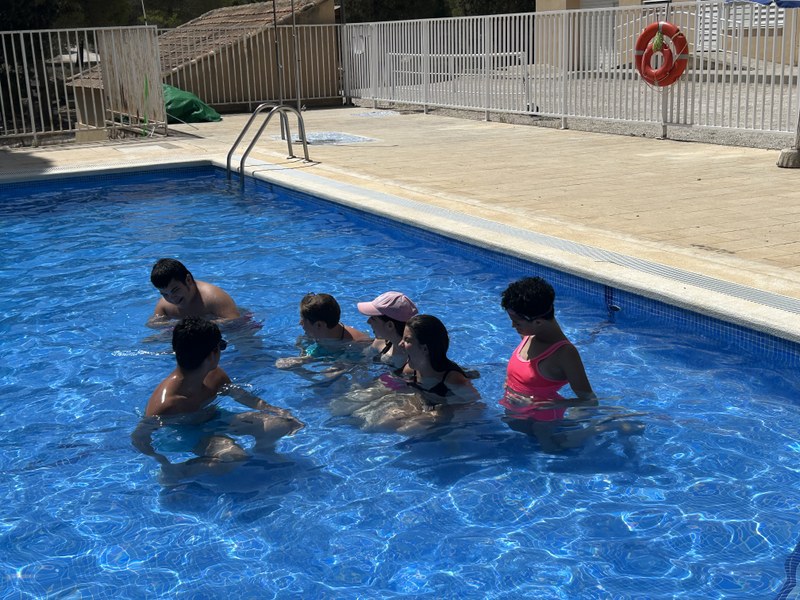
x=742 y=74
x=80 y=83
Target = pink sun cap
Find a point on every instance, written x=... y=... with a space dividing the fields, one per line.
x=394 y=305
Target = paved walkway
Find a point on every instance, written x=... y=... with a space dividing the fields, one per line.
x=727 y=214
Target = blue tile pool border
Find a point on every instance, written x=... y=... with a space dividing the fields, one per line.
x=614 y=300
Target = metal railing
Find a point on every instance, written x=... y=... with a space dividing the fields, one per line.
x=286 y=132
x=742 y=75
x=80 y=83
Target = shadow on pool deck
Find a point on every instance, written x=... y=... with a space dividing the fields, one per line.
x=727 y=214
x=16 y=161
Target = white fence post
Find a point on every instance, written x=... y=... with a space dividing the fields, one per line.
x=426 y=64
x=373 y=58
x=486 y=67
x=566 y=44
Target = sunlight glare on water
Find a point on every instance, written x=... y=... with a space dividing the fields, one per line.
x=702 y=505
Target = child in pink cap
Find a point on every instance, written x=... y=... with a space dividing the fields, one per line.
x=388 y=314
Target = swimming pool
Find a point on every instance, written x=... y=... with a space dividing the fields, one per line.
x=702 y=506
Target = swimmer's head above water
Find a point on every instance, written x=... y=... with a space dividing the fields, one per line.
x=426 y=341
x=184 y=296
x=173 y=280
x=528 y=300
x=322 y=309
x=193 y=340
x=388 y=314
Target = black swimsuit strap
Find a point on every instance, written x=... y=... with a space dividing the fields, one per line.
x=440 y=389
x=385 y=349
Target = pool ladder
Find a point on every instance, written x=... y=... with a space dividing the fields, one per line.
x=285 y=132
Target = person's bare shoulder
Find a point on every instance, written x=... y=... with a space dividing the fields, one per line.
x=165 y=401
x=567 y=356
x=175 y=396
x=461 y=386
x=216 y=379
x=456 y=378
x=356 y=335
x=571 y=364
x=217 y=301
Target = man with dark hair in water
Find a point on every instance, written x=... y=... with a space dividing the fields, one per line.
x=184 y=296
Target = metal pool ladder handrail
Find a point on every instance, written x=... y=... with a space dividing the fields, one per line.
x=274 y=108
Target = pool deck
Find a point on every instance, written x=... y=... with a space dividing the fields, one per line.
x=711 y=228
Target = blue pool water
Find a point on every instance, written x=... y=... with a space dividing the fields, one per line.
x=703 y=505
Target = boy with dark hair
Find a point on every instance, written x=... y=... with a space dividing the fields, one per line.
x=323 y=312
x=184 y=296
x=198 y=378
x=319 y=318
x=190 y=390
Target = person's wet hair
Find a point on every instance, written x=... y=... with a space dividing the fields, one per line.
x=531 y=298
x=321 y=307
x=167 y=269
x=399 y=326
x=431 y=332
x=193 y=339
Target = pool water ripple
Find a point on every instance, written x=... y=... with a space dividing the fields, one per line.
x=700 y=506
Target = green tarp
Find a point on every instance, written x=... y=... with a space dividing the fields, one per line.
x=185 y=107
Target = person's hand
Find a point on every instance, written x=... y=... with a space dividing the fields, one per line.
x=290 y=362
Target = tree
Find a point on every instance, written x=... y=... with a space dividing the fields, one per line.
x=491 y=7
x=18 y=15
x=171 y=13
x=94 y=13
x=360 y=11
x=30 y=14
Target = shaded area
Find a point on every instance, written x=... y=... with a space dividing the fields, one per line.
x=16 y=163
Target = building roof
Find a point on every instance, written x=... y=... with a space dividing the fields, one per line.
x=222 y=27
x=213 y=31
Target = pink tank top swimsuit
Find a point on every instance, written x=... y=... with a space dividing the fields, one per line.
x=523 y=377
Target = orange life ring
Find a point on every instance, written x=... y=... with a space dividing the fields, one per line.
x=674 y=61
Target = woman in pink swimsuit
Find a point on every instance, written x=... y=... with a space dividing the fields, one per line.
x=543 y=362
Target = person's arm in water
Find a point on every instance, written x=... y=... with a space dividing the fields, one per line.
x=291 y=362
x=461 y=386
x=250 y=400
x=575 y=374
x=161 y=316
x=266 y=413
x=142 y=438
